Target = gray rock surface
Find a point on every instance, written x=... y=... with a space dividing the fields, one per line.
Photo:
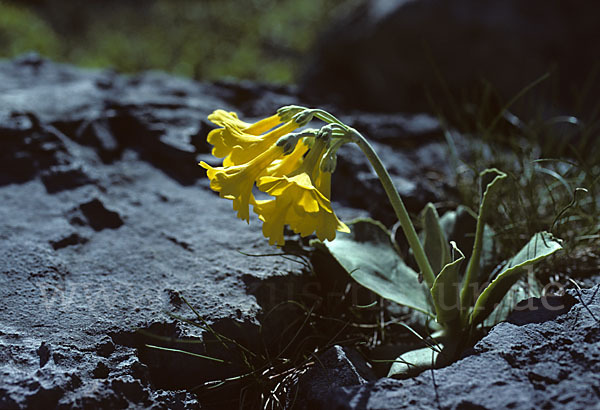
x=336 y=367
x=107 y=224
x=421 y=55
x=546 y=355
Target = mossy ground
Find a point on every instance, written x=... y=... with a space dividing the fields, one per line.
x=263 y=40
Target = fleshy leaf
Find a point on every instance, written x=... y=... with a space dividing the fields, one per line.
x=413 y=362
x=448 y=222
x=368 y=255
x=435 y=242
x=488 y=257
x=459 y=226
x=446 y=290
x=521 y=290
x=541 y=245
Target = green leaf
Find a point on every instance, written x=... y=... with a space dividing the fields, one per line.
x=368 y=255
x=459 y=226
x=491 y=179
x=541 y=245
x=435 y=242
x=488 y=258
x=414 y=362
x=446 y=290
x=523 y=289
x=448 y=222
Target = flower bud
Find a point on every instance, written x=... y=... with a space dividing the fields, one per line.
x=286 y=113
x=329 y=162
x=325 y=132
x=289 y=141
x=303 y=117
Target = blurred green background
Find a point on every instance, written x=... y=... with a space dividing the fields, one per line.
x=264 y=40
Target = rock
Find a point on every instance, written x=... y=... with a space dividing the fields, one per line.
x=546 y=355
x=98 y=134
x=103 y=221
x=60 y=177
x=27 y=150
x=430 y=55
x=336 y=367
x=69 y=240
x=98 y=217
x=107 y=223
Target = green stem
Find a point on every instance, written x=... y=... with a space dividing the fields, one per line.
x=329 y=118
x=490 y=178
x=398 y=205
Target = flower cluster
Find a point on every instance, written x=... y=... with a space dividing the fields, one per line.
x=289 y=166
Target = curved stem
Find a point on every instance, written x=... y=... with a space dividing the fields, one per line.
x=329 y=118
x=397 y=204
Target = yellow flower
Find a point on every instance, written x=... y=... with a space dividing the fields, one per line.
x=288 y=163
x=298 y=202
x=274 y=215
x=252 y=155
x=236 y=182
x=325 y=224
x=239 y=141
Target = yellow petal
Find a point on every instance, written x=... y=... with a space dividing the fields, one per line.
x=239 y=142
x=342 y=227
x=274 y=186
x=236 y=182
x=263 y=125
x=222 y=117
x=306 y=199
x=289 y=163
x=247 y=147
x=273 y=217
